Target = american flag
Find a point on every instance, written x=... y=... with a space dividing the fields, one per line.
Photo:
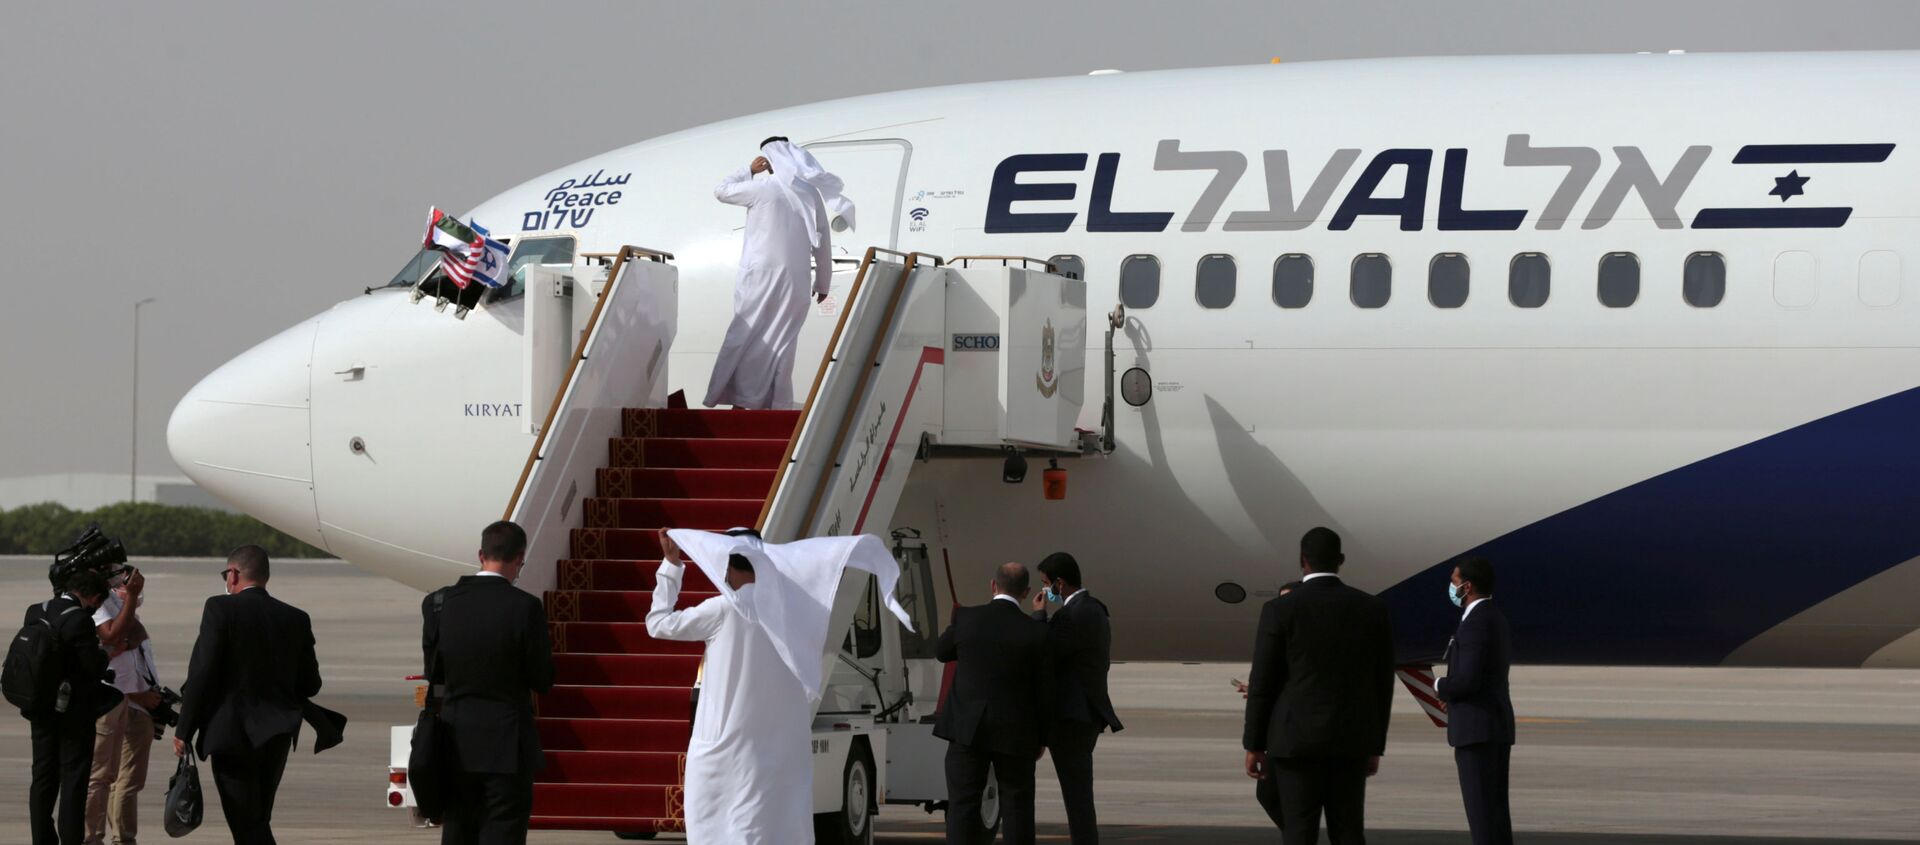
x=1419 y=680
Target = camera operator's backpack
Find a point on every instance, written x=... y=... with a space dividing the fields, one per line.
x=34 y=669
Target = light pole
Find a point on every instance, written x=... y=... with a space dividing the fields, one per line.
x=133 y=464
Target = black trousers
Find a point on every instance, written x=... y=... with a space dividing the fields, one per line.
x=247 y=782
x=62 y=760
x=1483 y=788
x=487 y=809
x=1071 y=746
x=967 y=780
x=1306 y=787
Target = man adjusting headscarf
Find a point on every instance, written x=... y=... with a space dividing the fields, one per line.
x=749 y=770
x=788 y=216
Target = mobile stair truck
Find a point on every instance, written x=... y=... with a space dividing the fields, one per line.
x=612 y=464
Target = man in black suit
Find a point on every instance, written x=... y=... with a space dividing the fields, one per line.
x=489 y=647
x=1319 y=695
x=1266 y=790
x=63 y=741
x=1080 y=649
x=252 y=671
x=1479 y=711
x=994 y=712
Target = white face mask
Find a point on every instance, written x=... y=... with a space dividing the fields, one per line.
x=1457 y=593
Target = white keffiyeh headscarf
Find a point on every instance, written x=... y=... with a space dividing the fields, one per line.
x=802 y=174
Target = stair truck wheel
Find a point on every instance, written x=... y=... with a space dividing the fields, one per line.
x=987 y=826
x=853 y=824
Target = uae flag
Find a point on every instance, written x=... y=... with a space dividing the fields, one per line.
x=462 y=246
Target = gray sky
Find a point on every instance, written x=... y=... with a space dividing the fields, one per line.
x=250 y=164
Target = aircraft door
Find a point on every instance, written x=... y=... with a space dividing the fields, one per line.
x=875 y=173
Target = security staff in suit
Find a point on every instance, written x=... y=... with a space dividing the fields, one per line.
x=1265 y=790
x=995 y=713
x=1318 y=697
x=252 y=671
x=490 y=648
x=1479 y=711
x=63 y=741
x=1080 y=649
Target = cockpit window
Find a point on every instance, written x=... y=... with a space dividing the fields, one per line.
x=423 y=262
x=557 y=250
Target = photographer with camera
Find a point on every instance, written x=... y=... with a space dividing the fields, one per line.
x=125 y=736
x=54 y=675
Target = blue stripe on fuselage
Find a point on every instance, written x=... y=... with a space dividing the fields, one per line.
x=1683 y=568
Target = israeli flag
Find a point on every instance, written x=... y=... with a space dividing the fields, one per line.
x=492 y=268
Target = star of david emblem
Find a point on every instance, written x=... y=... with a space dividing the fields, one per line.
x=1789 y=186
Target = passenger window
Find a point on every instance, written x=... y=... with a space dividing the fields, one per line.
x=1070 y=266
x=1705 y=282
x=1292 y=280
x=1447 y=280
x=1529 y=280
x=1214 y=281
x=1619 y=279
x=1880 y=278
x=1796 y=279
x=1372 y=282
x=1139 y=281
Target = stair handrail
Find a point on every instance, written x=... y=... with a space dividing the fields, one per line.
x=626 y=253
x=911 y=260
x=1005 y=261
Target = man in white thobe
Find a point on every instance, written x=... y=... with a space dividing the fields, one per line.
x=786 y=252
x=749 y=776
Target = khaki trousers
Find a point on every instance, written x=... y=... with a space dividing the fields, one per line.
x=122 y=740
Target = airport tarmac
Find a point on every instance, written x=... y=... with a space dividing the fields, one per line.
x=1668 y=756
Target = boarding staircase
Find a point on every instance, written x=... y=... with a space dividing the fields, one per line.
x=616 y=725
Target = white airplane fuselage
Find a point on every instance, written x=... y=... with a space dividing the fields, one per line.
x=1685 y=479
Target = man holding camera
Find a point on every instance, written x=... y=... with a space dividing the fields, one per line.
x=125 y=736
x=63 y=732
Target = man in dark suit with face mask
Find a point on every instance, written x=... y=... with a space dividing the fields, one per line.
x=1480 y=724
x=1080 y=648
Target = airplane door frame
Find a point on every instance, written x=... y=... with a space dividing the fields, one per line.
x=900 y=185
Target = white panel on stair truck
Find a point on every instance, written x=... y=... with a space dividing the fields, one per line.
x=1043 y=350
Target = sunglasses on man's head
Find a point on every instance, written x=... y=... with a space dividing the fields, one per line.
x=227 y=574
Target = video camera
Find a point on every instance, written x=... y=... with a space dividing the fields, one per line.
x=93 y=551
x=167 y=714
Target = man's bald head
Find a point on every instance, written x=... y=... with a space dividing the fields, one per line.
x=1011 y=579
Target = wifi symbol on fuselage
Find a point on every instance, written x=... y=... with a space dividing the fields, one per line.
x=918 y=214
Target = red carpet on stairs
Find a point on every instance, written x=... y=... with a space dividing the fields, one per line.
x=615 y=727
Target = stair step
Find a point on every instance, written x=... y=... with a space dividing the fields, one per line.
x=636 y=768
x=663 y=422
x=609 y=605
x=604 y=574
x=615 y=638
x=590 y=806
x=696 y=453
x=614 y=734
x=625 y=482
x=708 y=514
x=616 y=543
x=618 y=703
x=632 y=670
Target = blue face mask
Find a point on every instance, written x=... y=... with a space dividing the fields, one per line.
x=1052 y=596
x=1457 y=593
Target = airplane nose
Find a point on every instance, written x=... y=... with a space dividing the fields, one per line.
x=242 y=433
